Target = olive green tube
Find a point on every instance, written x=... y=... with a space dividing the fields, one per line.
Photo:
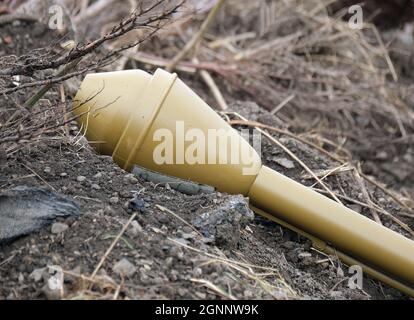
x=350 y=232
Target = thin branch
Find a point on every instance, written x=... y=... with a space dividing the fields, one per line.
x=197 y=37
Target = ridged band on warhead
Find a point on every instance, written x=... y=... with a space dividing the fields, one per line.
x=143 y=117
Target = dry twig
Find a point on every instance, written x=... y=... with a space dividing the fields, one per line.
x=197 y=37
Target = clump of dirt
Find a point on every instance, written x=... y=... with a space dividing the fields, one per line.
x=222 y=224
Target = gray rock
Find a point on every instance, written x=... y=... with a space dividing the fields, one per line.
x=109 y=210
x=20 y=279
x=190 y=235
x=181 y=240
x=135 y=228
x=335 y=294
x=98 y=175
x=95 y=186
x=124 y=267
x=113 y=200
x=51 y=291
x=80 y=178
x=54 y=288
x=59 y=227
x=303 y=255
x=340 y=272
x=130 y=178
x=355 y=207
x=286 y=163
x=37 y=274
x=223 y=223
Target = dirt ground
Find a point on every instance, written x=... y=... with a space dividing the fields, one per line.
x=165 y=253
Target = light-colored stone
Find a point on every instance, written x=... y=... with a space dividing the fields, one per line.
x=135 y=228
x=109 y=210
x=95 y=186
x=54 y=288
x=303 y=255
x=59 y=227
x=37 y=274
x=130 y=178
x=124 y=267
x=286 y=163
x=80 y=178
x=113 y=200
x=98 y=175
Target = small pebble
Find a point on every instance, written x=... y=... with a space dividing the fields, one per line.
x=20 y=278
x=63 y=174
x=37 y=274
x=109 y=210
x=130 y=178
x=98 y=175
x=124 y=267
x=303 y=255
x=135 y=228
x=286 y=163
x=80 y=178
x=59 y=227
x=95 y=186
x=335 y=294
x=114 y=200
x=201 y=295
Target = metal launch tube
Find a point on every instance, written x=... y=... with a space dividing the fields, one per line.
x=132 y=112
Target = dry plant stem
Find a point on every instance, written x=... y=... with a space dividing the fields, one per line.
x=238 y=264
x=303 y=165
x=65 y=114
x=112 y=246
x=214 y=288
x=243 y=264
x=80 y=51
x=385 y=52
x=366 y=194
x=185 y=66
x=117 y=291
x=386 y=191
x=208 y=79
x=282 y=104
x=39 y=94
x=164 y=209
x=224 y=41
x=287 y=133
x=37 y=175
x=82 y=277
x=10 y=18
x=197 y=37
x=93 y=10
x=331 y=172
